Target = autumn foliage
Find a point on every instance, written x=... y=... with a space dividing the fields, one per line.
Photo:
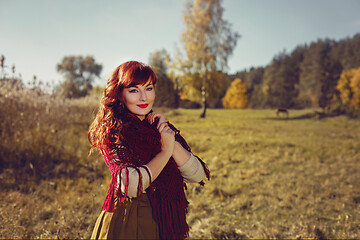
x=349 y=89
x=236 y=95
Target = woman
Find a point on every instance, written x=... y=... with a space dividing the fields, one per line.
x=148 y=159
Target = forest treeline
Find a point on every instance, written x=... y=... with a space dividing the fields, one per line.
x=306 y=77
x=323 y=74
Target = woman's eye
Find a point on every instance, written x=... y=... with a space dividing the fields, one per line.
x=149 y=88
x=133 y=91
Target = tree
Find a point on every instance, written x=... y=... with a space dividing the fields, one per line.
x=281 y=79
x=355 y=86
x=329 y=73
x=236 y=95
x=349 y=89
x=79 y=73
x=319 y=74
x=208 y=42
x=253 y=78
x=166 y=95
x=347 y=51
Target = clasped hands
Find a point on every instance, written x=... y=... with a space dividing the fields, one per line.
x=167 y=134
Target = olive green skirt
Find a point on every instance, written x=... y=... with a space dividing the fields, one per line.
x=131 y=220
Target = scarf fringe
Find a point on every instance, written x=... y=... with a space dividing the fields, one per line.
x=206 y=169
x=115 y=195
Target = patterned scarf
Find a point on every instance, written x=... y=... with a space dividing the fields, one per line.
x=140 y=144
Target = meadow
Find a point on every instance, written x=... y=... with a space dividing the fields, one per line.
x=271 y=177
x=274 y=178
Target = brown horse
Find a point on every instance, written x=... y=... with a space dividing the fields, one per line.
x=282 y=110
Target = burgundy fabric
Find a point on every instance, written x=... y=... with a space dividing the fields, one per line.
x=140 y=144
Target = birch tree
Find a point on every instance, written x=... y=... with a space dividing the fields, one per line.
x=208 y=42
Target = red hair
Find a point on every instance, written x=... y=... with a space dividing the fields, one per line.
x=106 y=127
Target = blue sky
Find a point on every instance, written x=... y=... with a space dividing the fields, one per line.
x=37 y=34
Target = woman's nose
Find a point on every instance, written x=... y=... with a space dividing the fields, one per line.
x=143 y=95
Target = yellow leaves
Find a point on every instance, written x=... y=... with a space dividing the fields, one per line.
x=344 y=87
x=266 y=90
x=355 y=86
x=208 y=39
x=349 y=88
x=236 y=96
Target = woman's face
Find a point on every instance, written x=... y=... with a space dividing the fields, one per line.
x=139 y=99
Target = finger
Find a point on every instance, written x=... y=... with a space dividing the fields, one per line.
x=162 y=126
x=161 y=119
x=160 y=123
x=170 y=131
x=153 y=117
x=150 y=118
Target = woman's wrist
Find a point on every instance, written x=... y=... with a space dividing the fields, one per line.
x=167 y=152
x=180 y=154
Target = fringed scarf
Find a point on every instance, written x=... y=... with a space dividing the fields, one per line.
x=140 y=144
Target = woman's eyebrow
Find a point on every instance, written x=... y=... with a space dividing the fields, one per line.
x=137 y=86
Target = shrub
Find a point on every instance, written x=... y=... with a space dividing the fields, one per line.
x=349 y=89
x=236 y=95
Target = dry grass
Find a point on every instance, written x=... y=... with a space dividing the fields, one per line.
x=49 y=186
x=274 y=178
x=271 y=178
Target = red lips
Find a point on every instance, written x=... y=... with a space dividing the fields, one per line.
x=143 y=105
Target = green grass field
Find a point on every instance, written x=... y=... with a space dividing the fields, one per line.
x=271 y=177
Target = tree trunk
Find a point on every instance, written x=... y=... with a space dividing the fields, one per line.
x=177 y=94
x=203 y=93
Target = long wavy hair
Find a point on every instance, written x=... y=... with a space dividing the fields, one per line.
x=106 y=127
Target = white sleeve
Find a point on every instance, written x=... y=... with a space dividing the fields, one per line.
x=134 y=180
x=192 y=170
